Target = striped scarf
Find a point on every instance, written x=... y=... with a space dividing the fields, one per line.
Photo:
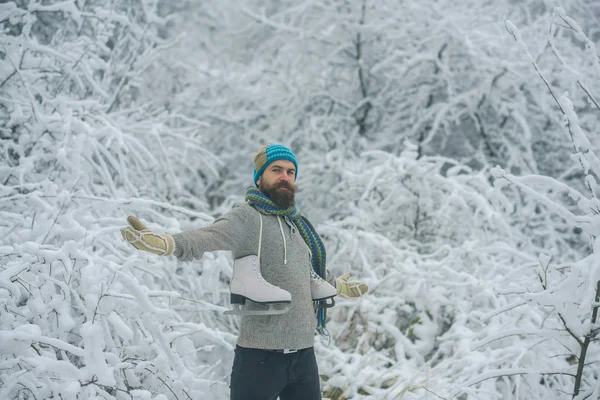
x=308 y=232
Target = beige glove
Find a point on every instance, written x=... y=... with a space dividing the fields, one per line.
x=144 y=239
x=346 y=289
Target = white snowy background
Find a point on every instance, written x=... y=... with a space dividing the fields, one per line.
x=449 y=157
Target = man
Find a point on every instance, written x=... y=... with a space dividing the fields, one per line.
x=274 y=355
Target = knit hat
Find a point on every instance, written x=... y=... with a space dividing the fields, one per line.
x=270 y=153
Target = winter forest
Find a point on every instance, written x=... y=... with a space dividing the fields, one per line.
x=449 y=156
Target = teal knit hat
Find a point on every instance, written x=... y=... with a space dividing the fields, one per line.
x=270 y=153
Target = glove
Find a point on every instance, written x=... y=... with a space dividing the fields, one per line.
x=346 y=289
x=144 y=239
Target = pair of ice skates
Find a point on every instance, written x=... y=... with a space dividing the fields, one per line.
x=265 y=298
x=247 y=283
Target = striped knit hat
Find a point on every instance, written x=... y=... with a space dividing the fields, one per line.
x=270 y=153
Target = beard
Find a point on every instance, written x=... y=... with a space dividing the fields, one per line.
x=283 y=198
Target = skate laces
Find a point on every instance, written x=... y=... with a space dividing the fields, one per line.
x=260 y=277
x=316 y=278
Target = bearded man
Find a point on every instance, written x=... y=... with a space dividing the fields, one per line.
x=274 y=355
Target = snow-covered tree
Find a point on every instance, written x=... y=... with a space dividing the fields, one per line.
x=560 y=290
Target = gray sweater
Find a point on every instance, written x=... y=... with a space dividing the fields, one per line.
x=238 y=232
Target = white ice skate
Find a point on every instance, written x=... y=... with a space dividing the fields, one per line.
x=320 y=289
x=247 y=283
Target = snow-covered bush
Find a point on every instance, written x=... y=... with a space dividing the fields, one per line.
x=78 y=319
x=422 y=233
x=552 y=296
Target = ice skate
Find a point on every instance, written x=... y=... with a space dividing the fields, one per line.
x=321 y=291
x=247 y=283
x=249 y=289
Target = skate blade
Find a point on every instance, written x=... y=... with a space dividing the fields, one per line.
x=323 y=303
x=258 y=309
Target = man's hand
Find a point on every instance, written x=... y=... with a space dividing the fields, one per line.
x=346 y=289
x=144 y=239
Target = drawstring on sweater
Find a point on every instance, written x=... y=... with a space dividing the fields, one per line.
x=283 y=236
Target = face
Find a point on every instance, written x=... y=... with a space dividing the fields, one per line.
x=277 y=182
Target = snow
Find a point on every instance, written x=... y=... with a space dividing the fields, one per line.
x=466 y=199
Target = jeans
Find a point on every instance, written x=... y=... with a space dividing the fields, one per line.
x=265 y=375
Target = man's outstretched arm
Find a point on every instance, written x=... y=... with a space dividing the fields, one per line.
x=225 y=233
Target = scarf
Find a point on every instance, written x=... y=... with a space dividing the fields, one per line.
x=307 y=231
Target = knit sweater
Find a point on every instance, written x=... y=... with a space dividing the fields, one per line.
x=238 y=231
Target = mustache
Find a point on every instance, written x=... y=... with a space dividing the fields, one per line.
x=283 y=184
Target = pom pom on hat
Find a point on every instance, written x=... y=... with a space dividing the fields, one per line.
x=270 y=153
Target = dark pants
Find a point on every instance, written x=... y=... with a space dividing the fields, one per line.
x=264 y=375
